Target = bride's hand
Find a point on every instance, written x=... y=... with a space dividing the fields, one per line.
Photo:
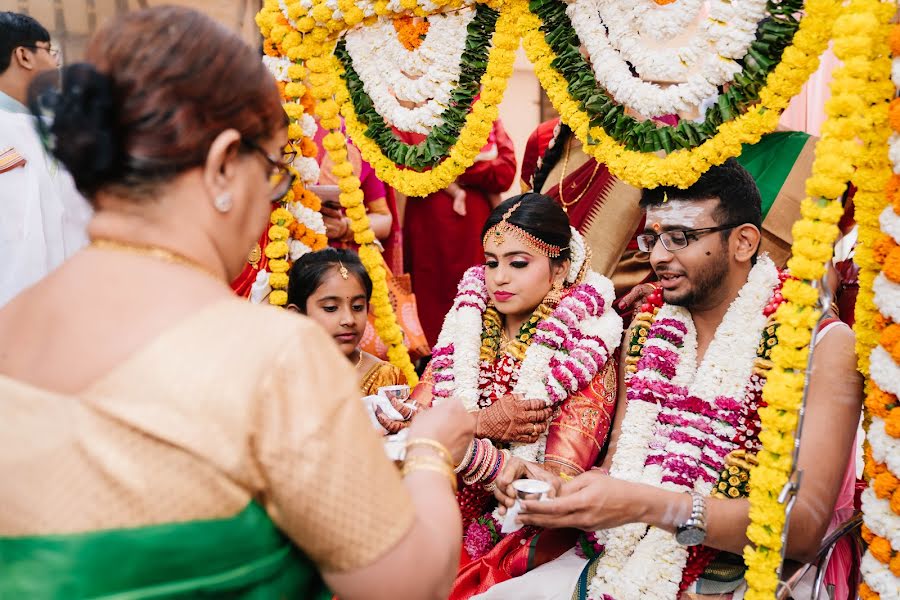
x=513 y=419
x=516 y=468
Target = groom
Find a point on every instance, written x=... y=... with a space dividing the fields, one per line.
x=665 y=515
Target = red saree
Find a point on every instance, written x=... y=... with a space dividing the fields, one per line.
x=576 y=437
x=438 y=244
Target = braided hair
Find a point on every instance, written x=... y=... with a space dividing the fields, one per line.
x=551 y=157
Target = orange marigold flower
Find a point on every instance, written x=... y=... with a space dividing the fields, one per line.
x=892 y=265
x=880 y=549
x=877 y=401
x=866 y=593
x=892 y=423
x=895 y=565
x=867 y=534
x=885 y=484
x=882 y=248
x=894 y=114
x=893 y=192
x=308 y=147
x=895 y=40
x=890 y=339
x=895 y=501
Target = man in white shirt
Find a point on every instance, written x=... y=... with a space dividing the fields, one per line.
x=42 y=215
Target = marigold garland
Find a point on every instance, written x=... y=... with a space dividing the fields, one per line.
x=474 y=133
x=302 y=40
x=852 y=114
x=681 y=168
x=324 y=77
x=876 y=199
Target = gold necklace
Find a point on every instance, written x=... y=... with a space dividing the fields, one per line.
x=562 y=177
x=156 y=252
x=358 y=362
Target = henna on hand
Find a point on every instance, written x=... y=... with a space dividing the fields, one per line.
x=513 y=419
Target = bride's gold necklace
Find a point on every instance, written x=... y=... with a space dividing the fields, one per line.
x=156 y=252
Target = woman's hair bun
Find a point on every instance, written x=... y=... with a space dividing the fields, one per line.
x=76 y=115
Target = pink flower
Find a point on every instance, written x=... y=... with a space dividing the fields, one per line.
x=479 y=538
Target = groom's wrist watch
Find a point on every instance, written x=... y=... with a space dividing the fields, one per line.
x=693 y=531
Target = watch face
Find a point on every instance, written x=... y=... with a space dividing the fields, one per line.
x=690 y=536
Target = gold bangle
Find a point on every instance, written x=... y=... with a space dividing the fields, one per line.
x=434 y=445
x=428 y=465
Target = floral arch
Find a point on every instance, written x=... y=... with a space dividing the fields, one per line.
x=439 y=68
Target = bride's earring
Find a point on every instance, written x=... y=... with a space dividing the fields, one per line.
x=554 y=295
x=223 y=202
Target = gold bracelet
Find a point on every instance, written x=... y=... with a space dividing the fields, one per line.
x=414 y=465
x=434 y=445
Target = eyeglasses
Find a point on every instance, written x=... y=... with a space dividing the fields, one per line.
x=281 y=177
x=677 y=239
x=54 y=52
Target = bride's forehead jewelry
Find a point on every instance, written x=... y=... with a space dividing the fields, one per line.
x=665 y=197
x=345 y=274
x=656 y=227
x=504 y=228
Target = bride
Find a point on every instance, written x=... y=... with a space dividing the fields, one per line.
x=529 y=346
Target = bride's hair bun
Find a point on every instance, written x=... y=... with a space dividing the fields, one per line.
x=78 y=122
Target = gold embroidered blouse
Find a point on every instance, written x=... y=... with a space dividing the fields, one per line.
x=236 y=403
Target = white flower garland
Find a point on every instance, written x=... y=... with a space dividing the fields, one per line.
x=425 y=76
x=700 y=66
x=641 y=562
x=879 y=578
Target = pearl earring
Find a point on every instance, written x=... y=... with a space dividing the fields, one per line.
x=223 y=202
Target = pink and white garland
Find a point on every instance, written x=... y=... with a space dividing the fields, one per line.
x=680 y=423
x=569 y=349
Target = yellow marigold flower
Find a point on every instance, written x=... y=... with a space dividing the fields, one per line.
x=294 y=89
x=321 y=13
x=278 y=281
x=278 y=297
x=276 y=249
x=278 y=266
x=342 y=170
x=281 y=216
x=277 y=232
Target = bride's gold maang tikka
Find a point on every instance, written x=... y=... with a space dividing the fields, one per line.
x=504 y=228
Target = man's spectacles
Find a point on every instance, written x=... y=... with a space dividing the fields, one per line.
x=677 y=239
x=54 y=52
x=281 y=178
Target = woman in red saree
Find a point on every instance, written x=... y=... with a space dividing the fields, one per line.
x=440 y=241
x=528 y=346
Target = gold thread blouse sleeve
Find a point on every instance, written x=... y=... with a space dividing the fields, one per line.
x=329 y=484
